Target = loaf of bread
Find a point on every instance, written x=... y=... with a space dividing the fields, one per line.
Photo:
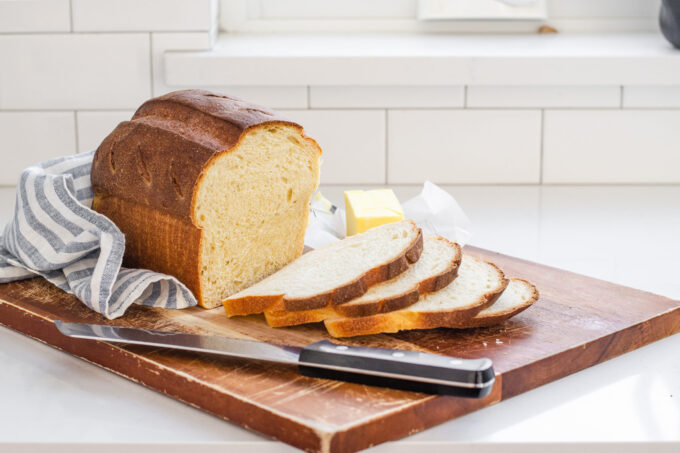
x=210 y=189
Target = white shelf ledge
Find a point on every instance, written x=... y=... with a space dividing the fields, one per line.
x=433 y=59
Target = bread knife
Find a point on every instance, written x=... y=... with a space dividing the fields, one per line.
x=394 y=368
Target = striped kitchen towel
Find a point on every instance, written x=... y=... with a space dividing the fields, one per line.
x=56 y=235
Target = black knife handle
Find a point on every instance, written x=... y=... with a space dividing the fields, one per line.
x=407 y=370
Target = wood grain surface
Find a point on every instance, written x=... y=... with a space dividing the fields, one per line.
x=578 y=322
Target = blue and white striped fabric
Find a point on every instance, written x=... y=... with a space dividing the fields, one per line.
x=56 y=235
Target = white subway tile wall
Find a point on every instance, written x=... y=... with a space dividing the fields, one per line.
x=276 y=97
x=30 y=137
x=74 y=71
x=284 y=97
x=611 y=146
x=34 y=16
x=93 y=127
x=353 y=143
x=543 y=96
x=295 y=9
x=652 y=97
x=604 y=8
x=464 y=146
x=165 y=42
x=71 y=70
x=142 y=15
x=386 y=96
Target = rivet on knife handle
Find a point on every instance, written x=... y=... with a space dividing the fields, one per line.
x=407 y=370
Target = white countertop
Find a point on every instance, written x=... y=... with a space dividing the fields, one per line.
x=51 y=401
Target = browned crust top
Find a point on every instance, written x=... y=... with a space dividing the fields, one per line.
x=231 y=110
x=157 y=157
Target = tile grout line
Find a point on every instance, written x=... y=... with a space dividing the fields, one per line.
x=539 y=226
x=518 y=184
x=621 y=96
x=542 y=142
x=151 y=65
x=309 y=97
x=386 y=148
x=461 y=108
x=98 y=32
x=465 y=97
x=439 y=109
x=70 y=15
x=75 y=128
x=66 y=110
x=669 y=185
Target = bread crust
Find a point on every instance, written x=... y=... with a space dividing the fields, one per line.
x=278 y=303
x=368 y=308
x=395 y=321
x=250 y=305
x=174 y=136
x=432 y=284
x=147 y=248
x=445 y=278
x=294 y=318
x=157 y=160
x=480 y=320
x=379 y=306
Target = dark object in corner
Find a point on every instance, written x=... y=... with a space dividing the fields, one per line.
x=669 y=20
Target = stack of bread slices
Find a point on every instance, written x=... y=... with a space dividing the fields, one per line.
x=388 y=279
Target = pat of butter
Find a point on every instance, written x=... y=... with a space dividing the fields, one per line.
x=366 y=209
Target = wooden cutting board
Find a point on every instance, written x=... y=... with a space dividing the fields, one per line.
x=578 y=322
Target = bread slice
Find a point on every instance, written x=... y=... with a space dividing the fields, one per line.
x=334 y=274
x=436 y=268
x=476 y=287
x=517 y=297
